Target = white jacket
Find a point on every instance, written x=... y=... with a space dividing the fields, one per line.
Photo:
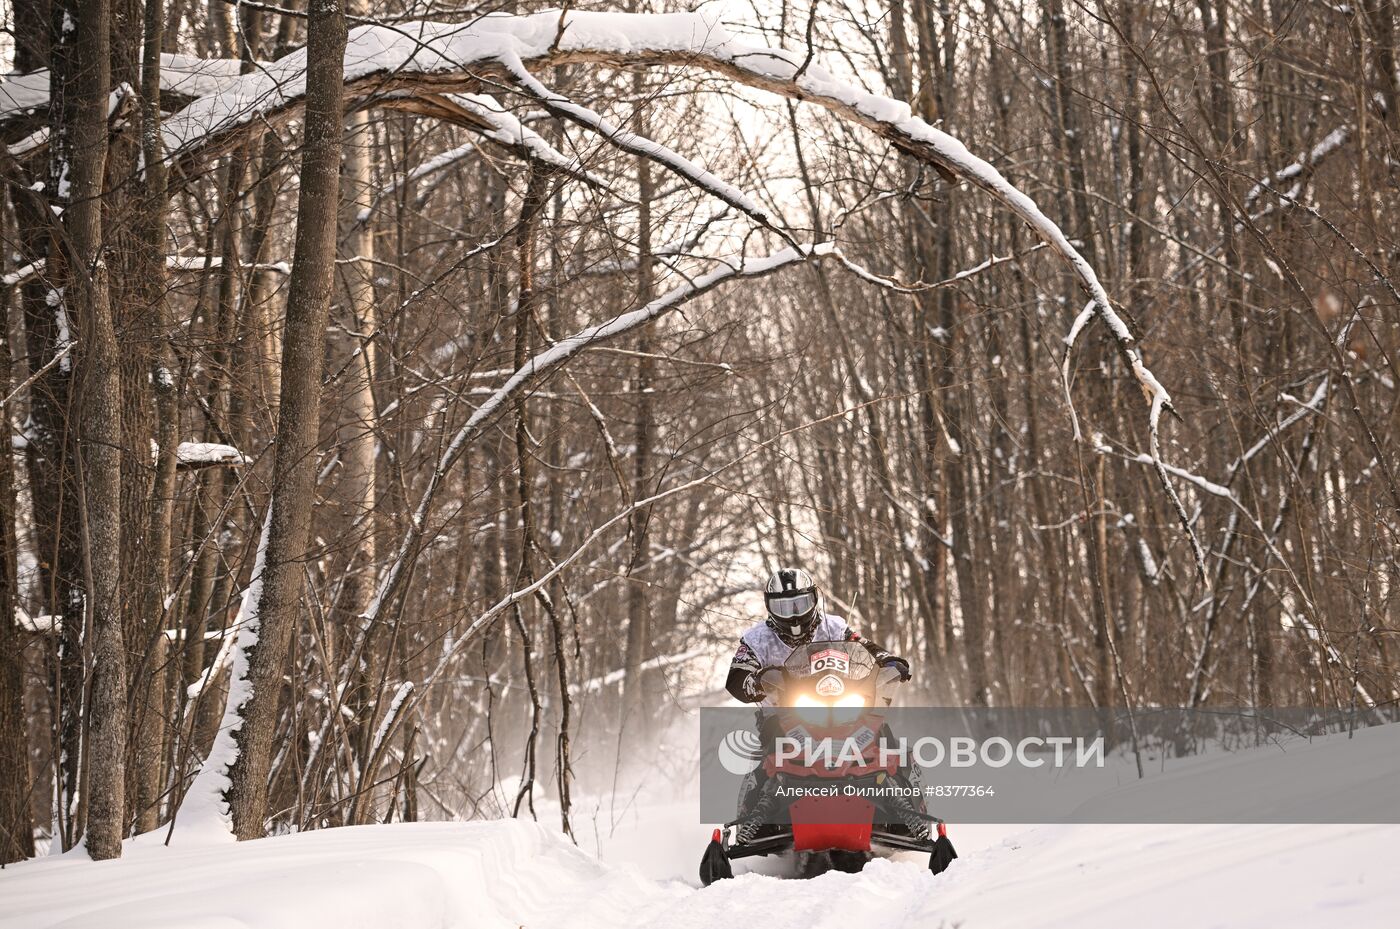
x=760 y=646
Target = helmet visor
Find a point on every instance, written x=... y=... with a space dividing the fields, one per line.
x=790 y=606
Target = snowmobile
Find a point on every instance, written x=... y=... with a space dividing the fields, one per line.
x=828 y=690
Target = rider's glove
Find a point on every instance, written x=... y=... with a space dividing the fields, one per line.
x=753 y=688
x=899 y=664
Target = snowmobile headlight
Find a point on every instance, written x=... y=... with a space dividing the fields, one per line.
x=850 y=701
x=804 y=701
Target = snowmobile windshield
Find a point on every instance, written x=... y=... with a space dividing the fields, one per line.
x=849 y=660
x=797 y=604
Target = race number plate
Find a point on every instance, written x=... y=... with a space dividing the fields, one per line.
x=831 y=659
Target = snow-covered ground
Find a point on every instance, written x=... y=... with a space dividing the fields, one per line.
x=635 y=865
x=520 y=874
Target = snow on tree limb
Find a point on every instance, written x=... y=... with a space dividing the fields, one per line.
x=1304 y=164
x=180 y=75
x=1203 y=484
x=203 y=815
x=485 y=115
x=1081 y=321
x=637 y=145
x=386 y=725
x=193 y=455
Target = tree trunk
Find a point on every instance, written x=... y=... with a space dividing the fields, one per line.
x=150 y=675
x=294 y=467
x=634 y=716
x=358 y=498
x=16 y=827
x=86 y=299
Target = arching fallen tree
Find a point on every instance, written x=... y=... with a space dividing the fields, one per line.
x=415 y=65
x=401 y=66
x=424 y=67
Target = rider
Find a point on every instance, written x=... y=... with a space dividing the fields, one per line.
x=795 y=618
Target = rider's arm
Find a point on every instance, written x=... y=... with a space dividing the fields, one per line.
x=883 y=657
x=742 y=682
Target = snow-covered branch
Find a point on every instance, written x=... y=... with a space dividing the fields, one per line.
x=190 y=456
x=634 y=144
x=485 y=116
x=182 y=77
x=1304 y=165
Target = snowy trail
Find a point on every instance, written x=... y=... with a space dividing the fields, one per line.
x=516 y=874
x=511 y=874
x=1057 y=876
x=636 y=867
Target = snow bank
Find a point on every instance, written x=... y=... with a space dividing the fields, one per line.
x=511 y=874
x=416 y=876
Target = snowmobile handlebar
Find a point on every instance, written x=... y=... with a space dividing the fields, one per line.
x=888 y=676
x=775 y=679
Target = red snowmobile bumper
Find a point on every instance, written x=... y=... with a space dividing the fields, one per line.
x=825 y=823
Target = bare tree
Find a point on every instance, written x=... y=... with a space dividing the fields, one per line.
x=294 y=470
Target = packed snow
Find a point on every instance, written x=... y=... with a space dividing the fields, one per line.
x=635 y=866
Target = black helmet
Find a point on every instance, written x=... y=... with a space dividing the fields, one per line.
x=792 y=600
